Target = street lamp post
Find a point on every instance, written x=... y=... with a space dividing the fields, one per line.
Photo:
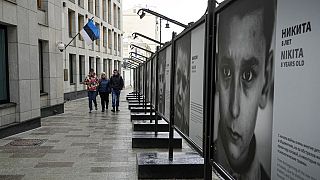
x=135 y=46
x=138 y=60
x=141 y=13
x=135 y=35
x=138 y=54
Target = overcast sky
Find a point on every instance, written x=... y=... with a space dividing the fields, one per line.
x=184 y=11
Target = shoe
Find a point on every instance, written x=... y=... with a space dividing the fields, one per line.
x=112 y=110
x=96 y=108
x=117 y=109
x=102 y=110
x=90 y=111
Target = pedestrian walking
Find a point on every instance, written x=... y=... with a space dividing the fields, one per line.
x=116 y=84
x=104 y=91
x=92 y=83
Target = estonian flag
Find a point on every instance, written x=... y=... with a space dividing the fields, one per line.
x=90 y=32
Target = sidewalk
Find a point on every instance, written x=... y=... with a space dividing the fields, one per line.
x=77 y=145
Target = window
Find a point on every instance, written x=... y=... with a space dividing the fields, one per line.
x=110 y=67
x=115 y=40
x=80 y=25
x=39 y=4
x=4 y=81
x=105 y=37
x=90 y=6
x=104 y=10
x=97 y=8
x=91 y=63
x=119 y=17
x=109 y=39
x=81 y=3
x=71 y=23
x=98 y=40
x=119 y=43
x=72 y=68
x=115 y=15
x=98 y=66
x=105 y=65
x=109 y=11
x=81 y=68
x=115 y=64
x=41 y=66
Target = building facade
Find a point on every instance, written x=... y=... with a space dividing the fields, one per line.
x=35 y=77
x=104 y=55
x=31 y=74
x=148 y=26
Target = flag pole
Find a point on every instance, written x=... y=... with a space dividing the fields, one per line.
x=75 y=36
x=72 y=40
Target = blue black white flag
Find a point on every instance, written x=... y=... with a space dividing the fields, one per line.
x=90 y=32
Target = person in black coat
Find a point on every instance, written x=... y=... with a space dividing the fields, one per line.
x=104 y=91
x=116 y=84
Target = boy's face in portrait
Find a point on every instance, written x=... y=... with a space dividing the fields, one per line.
x=241 y=82
x=161 y=81
x=182 y=85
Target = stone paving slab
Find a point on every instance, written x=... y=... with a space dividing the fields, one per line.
x=78 y=145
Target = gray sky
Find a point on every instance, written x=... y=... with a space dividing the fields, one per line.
x=184 y=11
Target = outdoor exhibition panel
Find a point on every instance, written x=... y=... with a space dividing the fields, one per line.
x=148 y=80
x=296 y=143
x=266 y=97
x=189 y=82
x=161 y=81
x=167 y=78
x=182 y=83
x=153 y=79
x=196 y=84
x=164 y=77
x=141 y=79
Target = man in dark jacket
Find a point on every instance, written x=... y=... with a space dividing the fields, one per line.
x=116 y=84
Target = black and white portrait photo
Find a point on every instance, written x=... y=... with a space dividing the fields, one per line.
x=141 y=75
x=244 y=94
x=182 y=83
x=162 y=81
x=154 y=79
x=148 y=81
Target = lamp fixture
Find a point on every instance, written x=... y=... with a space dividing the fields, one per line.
x=135 y=36
x=61 y=46
x=167 y=25
x=142 y=14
